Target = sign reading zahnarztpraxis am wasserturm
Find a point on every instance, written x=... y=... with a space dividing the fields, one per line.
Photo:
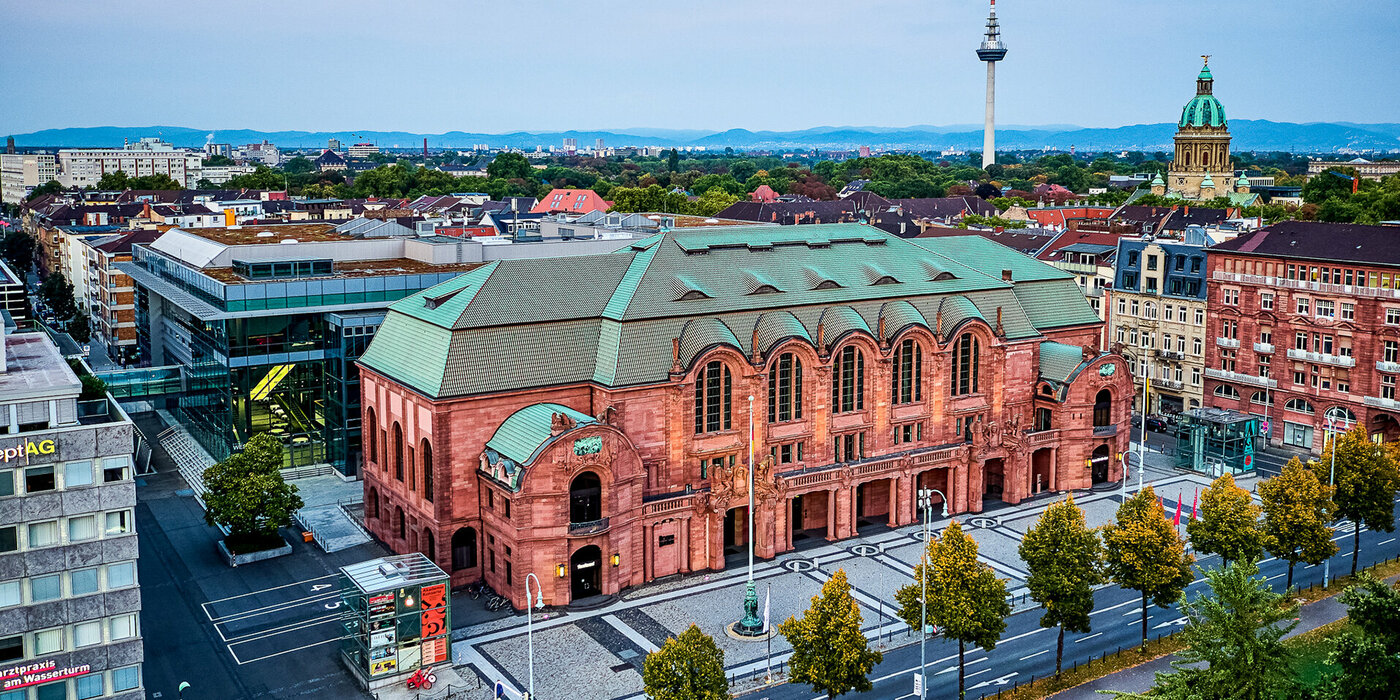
x=39 y=672
x=26 y=449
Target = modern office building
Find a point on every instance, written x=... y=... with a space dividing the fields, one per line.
x=20 y=173
x=267 y=322
x=12 y=293
x=1158 y=318
x=69 y=602
x=1305 y=327
x=598 y=434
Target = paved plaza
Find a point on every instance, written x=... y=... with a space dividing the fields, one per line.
x=607 y=645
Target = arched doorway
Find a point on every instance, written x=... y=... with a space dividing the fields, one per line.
x=585 y=499
x=429 y=545
x=1386 y=426
x=1098 y=464
x=586 y=567
x=736 y=530
x=464 y=549
x=808 y=518
x=993 y=478
x=872 y=503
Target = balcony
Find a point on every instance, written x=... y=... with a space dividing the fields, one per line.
x=1171 y=355
x=1264 y=348
x=1042 y=437
x=1236 y=377
x=1378 y=402
x=1171 y=384
x=592 y=527
x=1342 y=289
x=1387 y=366
x=1105 y=430
x=1227 y=342
x=1322 y=358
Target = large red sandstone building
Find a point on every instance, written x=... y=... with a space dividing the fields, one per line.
x=588 y=419
x=1305 y=323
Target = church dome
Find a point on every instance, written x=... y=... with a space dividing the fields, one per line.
x=1203 y=109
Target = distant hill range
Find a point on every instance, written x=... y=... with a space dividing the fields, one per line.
x=1249 y=134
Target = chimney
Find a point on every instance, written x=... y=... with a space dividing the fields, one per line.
x=1006 y=275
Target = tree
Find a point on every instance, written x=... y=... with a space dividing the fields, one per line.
x=57 y=293
x=987 y=190
x=217 y=160
x=1324 y=185
x=1367 y=480
x=714 y=201
x=742 y=170
x=829 y=652
x=248 y=495
x=298 y=165
x=1065 y=561
x=1367 y=658
x=1297 y=508
x=50 y=187
x=1234 y=640
x=687 y=667
x=78 y=328
x=1144 y=553
x=510 y=166
x=18 y=251
x=1229 y=523
x=159 y=181
x=965 y=599
x=673 y=161
x=115 y=180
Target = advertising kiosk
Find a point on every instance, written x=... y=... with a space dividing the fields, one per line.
x=397 y=619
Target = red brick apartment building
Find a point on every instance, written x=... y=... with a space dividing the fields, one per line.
x=1305 y=323
x=588 y=419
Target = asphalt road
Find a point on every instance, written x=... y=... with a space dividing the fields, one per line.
x=1027 y=650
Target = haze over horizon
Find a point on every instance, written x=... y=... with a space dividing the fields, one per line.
x=617 y=65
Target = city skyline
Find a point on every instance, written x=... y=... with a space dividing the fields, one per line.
x=766 y=68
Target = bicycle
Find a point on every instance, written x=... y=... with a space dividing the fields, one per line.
x=423 y=678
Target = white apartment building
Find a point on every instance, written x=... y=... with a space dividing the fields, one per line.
x=20 y=173
x=363 y=150
x=83 y=167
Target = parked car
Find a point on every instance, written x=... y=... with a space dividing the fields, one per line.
x=1156 y=424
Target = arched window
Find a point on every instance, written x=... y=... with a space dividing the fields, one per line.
x=848 y=381
x=1103 y=409
x=402 y=530
x=907 y=380
x=429 y=544
x=585 y=498
x=373 y=425
x=1226 y=391
x=785 y=389
x=1149 y=310
x=1259 y=398
x=1341 y=416
x=398 y=451
x=464 y=549
x=425 y=453
x=713 y=391
x=372 y=504
x=1299 y=406
x=966 y=361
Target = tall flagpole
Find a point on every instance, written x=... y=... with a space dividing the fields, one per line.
x=750 y=625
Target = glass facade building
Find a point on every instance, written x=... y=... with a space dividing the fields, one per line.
x=266 y=346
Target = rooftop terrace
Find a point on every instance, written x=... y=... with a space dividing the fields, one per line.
x=351 y=269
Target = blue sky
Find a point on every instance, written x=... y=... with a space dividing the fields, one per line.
x=433 y=66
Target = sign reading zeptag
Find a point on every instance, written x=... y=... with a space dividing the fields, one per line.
x=36 y=673
x=26 y=448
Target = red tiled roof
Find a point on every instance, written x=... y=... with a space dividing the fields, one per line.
x=571 y=201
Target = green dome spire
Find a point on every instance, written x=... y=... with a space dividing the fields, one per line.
x=1207 y=182
x=1203 y=109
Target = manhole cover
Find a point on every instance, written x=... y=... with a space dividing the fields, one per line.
x=865 y=550
x=626 y=654
x=982 y=521
x=799 y=565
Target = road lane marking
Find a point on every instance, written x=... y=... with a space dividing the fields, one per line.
x=985 y=670
x=1032 y=656
x=284 y=651
x=950 y=669
x=1114 y=607
x=1388 y=541
x=630 y=633
x=1082 y=639
x=275 y=607
x=266 y=590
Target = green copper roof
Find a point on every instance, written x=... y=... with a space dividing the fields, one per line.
x=524 y=433
x=1202 y=110
x=611 y=319
x=1207 y=181
x=1205 y=73
x=1242 y=181
x=1059 y=361
x=953 y=312
x=1157 y=180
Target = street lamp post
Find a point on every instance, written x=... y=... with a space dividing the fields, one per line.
x=926 y=504
x=1331 y=435
x=529 y=624
x=750 y=625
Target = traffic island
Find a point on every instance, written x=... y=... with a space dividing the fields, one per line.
x=240 y=552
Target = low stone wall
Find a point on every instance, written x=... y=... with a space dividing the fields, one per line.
x=236 y=559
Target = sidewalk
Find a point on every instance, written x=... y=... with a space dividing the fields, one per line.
x=1139 y=679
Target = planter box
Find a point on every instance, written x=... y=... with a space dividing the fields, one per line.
x=236 y=559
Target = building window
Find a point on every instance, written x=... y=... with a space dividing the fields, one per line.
x=1325 y=308
x=89 y=686
x=585 y=498
x=126 y=678
x=116 y=469
x=1133 y=306
x=1200 y=319
x=1303 y=305
x=785 y=389
x=43 y=534
x=1151 y=262
x=11 y=649
x=1266 y=301
x=398 y=451
x=1227 y=360
x=83 y=582
x=48 y=642
x=1299 y=406
x=373 y=434
x=1392 y=316
x=82 y=528
x=1195 y=376
x=908 y=377
x=849 y=447
x=909 y=432
x=1230 y=297
x=77 y=474
x=1348 y=311
x=425 y=452
x=713 y=393
x=966 y=361
x=786 y=453
x=1122 y=306
x=1225 y=391
x=45 y=588
x=123 y=627
x=9 y=539
x=1388 y=387
x=39 y=479
x=848 y=381
x=86 y=634
x=121 y=575
x=118 y=523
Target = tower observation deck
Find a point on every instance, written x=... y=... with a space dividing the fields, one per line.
x=991 y=51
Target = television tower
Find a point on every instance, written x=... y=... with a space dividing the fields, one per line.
x=991 y=51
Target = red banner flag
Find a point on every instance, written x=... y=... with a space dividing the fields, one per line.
x=1194 y=496
x=1177 y=519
